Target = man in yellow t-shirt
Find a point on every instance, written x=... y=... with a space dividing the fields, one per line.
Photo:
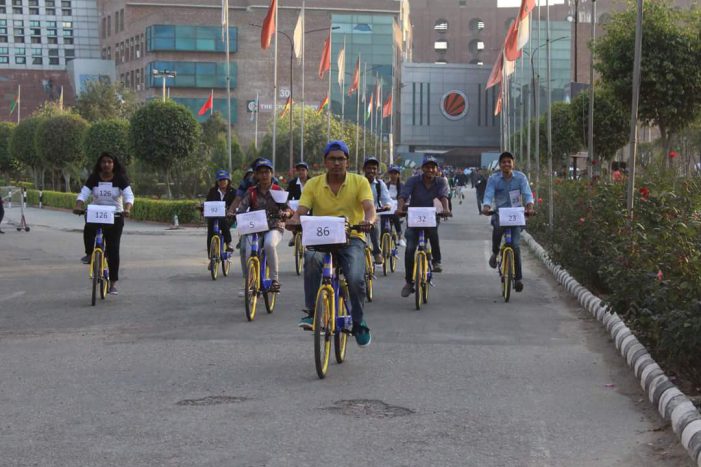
x=339 y=193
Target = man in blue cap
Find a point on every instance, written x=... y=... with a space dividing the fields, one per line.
x=339 y=193
x=380 y=194
x=420 y=191
x=296 y=186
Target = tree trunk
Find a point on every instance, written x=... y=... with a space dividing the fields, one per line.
x=666 y=140
x=170 y=193
x=67 y=180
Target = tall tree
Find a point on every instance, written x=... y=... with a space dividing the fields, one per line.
x=7 y=164
x=59 y=141
x=670 y=78
x=25 y=152
x=102 y=100
x=111 y=135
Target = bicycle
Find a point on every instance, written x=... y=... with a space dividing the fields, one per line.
x=506 y=260
x=257 y=280
x=218 y=253
x=99 y=270
x=369 y=271
x=389 y=245
x=298 y=252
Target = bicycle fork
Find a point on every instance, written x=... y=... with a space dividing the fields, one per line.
x=255 y=248
x=344 y=323
x=422 y=247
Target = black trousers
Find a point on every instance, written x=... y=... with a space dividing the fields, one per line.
x=412 y=242
x=2 y=211
x=224 y=228
x=112 y=233
x=394 y=221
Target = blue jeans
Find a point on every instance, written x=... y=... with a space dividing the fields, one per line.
x=352 y=262
x=497 y=233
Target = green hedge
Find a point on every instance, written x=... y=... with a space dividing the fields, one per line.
x=145 y=209
x=648 y=270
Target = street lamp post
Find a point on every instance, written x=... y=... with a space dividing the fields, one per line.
x=164 y=74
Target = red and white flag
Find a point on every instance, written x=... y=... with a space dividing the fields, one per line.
x=325 y=64
x=517 y=36
x=356 y=78
x=266 y=35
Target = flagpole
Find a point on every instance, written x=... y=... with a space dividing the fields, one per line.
x=301 y=143
x=357 y=117
x=365 y=102
x=372 y=119
x=536 y=102
x=328 y=95
x=211 y=96
x=19 y=102
x=550 y=118
x=528 y=101
x=390 y=156
x=275 y=91
x=257 y=112
x=228 y=86
x=377 y=122
x=343 y=85
x=382 y=118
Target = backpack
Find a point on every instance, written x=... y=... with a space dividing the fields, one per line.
x=253 y=193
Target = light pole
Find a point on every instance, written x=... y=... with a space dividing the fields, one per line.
x=164 y=74
x=590 y=123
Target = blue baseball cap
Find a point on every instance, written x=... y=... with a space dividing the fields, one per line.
x=371 y=160
x=222 y=175
x=301 y=164
x=337 y=145
x=264 y=163
x=429 y=160
x=394 y=168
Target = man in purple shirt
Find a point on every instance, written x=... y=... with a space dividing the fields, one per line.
x=419 y=191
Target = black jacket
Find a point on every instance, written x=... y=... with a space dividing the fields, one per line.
x=295 y=190
x=213 y=195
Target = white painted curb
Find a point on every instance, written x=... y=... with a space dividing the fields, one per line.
x=671 y=403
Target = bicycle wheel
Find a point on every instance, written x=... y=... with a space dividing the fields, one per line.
x=386 y=252
x=226 y=265
x=368 y=274
x=425 y=285
x=104 y=282
x=323 y=316
x=419 y=275
x=508 y=272
x=269 y=298
x=251 y=288
x=392 y=256
x=299 y=254
x=214 y=257
x=95 y=273
x=340 y=337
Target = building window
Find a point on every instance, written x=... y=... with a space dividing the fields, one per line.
x=36 y=39
x=3 y=39
x=20 y=60
x=121 y=19
x=441 y=25
x=53 y=52
x=4 y=59
x=33 y=2
x=66 y=12
x=52 y=32
x=104 y=28
x=34 y=11
x=68 y=40
x=476 y=24
x=69 y=54
x=462 y=3
x=52 y=40
x=51 y=11
x=65 y=4
x=109 y=26
x=17 y=11
x=19 y=39
x=50 y=3
x=440 y=45
x=37 y=61
x=36 y=52
x=192 y=74
x=53 y=61
x=18 y=23
x=188 y=38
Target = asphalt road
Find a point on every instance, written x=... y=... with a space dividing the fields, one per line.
x=170 y=372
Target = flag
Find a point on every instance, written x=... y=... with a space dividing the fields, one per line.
x=287 y=107
x=495 y=76
x=323 y=105
x=368 y=113
x=60 y=99
x=342 y=67
x=397 y=35
x=378 y=94
x=517 y=36
x=224 y=18
x=356 y=78
x=387 y=108
x=297 y=35
x=497 y=107
x=266 y=34
x=14 y=104
x=511 y=51
x=209 y=105
x=325 y=64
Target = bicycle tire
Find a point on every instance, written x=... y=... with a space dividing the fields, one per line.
x=386 y=252
x=214 y=257
x=226 y=266
x=393 y=257
x=95 y=272
x=251 y=289
x=508 y=271
x=425 y=284
x=368 y=274
x=323 y=314
x=299 y=254
x=104 y=282
x=418 y=278
x=269 y=298
x=340 y=337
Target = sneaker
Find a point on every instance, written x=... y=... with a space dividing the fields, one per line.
x=493 y=261
x=437 y=267
x=306 y=323
x=113 y=290
x=85 y=259
x=362 y=334
x=407 y=290
x=229 y=249
x=518 y=286
x=378 y=258
x=402 y=243
x=274 y=286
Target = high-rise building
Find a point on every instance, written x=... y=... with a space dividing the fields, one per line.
x=38 y=41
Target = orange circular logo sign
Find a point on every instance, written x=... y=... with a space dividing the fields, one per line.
x=454 y=105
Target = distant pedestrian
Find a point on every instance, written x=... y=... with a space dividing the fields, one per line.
x=480 y=187
x=2 y=212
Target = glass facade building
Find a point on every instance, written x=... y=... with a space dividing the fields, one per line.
x=209 y=75
x=195 y=104
x=185 y=38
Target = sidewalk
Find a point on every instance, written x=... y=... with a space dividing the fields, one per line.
x=68 y=222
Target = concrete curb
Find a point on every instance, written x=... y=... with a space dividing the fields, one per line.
x=671 y=403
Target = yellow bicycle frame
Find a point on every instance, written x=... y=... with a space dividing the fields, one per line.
x=92 y=260
x=332 y=306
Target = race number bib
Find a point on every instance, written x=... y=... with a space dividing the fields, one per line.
x=515 y=197
x=421 y=217
x=98 y=214
x=252 y=222
x=293 y=204
x=279 y=196
x=214 y=209
x=103 y=192
x=511 y=217
x=323 y=230
x=392 y=208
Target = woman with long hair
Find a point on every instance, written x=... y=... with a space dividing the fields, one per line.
x=108 y=185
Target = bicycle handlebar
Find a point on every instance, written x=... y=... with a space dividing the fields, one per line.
x=491 y=213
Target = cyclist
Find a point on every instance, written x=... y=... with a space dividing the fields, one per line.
x=339 y=193
x=381 y=198
x=507 y=188
x=109 y=186
x=394 y=186
x=258 y=197
x=296 y=186
x=420 y=191
x=221 y=191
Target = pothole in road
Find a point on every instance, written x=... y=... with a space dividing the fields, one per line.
x=211 y=400
x=371 y=408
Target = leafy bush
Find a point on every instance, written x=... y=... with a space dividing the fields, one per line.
x=649 y=270
x=110 y=136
